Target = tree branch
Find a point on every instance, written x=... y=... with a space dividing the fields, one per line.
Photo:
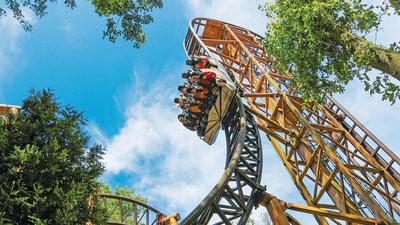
x=382 y=58
x=395 y=4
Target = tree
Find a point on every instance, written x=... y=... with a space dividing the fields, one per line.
x=48 y=171
x=250 y=221
x=114 y=215
x=266 y=219
x=123 y=17
x=323 y=45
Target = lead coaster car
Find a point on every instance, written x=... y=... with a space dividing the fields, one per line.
x=224 y=92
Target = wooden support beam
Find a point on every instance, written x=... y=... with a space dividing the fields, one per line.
x=274 y=207
x=169 y=220
x=332 y=214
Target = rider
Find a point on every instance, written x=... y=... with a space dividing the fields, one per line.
x=208 y=78
x=185 y=89
x=201 y=62
x=189 y=124
x=205 y=78
x=180 y=102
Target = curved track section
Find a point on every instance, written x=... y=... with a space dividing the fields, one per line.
x=231 y=199
x=123 y=211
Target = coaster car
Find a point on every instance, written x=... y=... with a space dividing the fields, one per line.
x=224 y=92
x=205 y=97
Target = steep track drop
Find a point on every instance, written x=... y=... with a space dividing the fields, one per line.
x=232 y=198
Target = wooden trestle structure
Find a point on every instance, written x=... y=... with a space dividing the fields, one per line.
x=344 y=173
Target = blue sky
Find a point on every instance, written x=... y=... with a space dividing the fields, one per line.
x=67 y=53
x=127 y=93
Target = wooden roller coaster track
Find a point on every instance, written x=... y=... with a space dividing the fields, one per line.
x=343 y=172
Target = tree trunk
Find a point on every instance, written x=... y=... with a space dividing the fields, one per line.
x=382 y=59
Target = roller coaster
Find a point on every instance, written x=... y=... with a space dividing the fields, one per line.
x=344 y=173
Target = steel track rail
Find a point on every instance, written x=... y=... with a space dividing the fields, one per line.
x=123 y=211
x=231 y=199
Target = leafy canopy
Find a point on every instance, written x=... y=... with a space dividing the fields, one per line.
x=124 y=18
x=48 y=171
x=323 y=45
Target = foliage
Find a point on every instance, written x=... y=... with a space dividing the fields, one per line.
x=250 y=221
x=266 y=219
x=124 y=18
x=395 y=4
x=114 y=215
x=48 y=170
x=317 y=41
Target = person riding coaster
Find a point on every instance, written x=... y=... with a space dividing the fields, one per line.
x=195 y=112
x=198 y=126
x=200 y=89
x=188 y=123
x=201 y=62
x=185 y=89
x=180 y=102
x=205 y=78
x=198 y=98
x=206 y=83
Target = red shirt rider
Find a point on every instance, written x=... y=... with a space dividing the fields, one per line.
x=208 y=78
x=202 y=63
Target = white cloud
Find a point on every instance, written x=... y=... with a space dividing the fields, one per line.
x=172 y=164
x=11 y=32
x=239 y=12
